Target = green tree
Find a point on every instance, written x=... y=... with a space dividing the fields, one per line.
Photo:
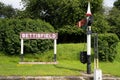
x=6 y=11
x=60 y=12
x=117 y=4
x=21 y=14
x=100 y=24
x=114 y=18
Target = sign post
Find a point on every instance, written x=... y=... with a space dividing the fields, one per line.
x=29 y=35
x=55 y=49
x=22 y=49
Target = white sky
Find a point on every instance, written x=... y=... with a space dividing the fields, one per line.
x=17 y=4
x=109 y=3
x=14 y=3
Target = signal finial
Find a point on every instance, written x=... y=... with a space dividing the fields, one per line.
x=88 y=10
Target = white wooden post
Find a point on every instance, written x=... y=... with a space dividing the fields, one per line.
x=55 y=49
x=22 y=49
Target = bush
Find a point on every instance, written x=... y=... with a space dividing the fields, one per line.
x=107 y=46
x=10 y=35
x=71 y=34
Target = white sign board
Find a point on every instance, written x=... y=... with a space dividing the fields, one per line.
x=29 y=35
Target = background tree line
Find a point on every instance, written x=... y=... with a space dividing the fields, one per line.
x=62 y=16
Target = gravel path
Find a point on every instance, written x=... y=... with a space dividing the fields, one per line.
x=54 y=78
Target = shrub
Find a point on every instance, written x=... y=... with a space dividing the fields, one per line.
x=71 y=34
x=107 y=46
x=10 y=31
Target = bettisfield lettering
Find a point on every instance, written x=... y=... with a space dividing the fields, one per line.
x=28 y=35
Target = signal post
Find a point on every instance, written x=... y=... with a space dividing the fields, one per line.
x=89 y=32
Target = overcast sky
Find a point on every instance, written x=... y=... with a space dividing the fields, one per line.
x=109 y=3
x=16 y=3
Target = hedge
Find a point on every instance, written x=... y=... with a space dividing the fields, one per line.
x=10 y=35
x=71 y=34
x=107 y=44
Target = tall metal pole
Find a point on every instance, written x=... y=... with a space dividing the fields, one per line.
x=97 y=71
x=88 y=14
x=96 y=66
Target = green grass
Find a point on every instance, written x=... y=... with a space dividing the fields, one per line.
x=10 y=66
x=118 y=53
x=110 y=68
x=64 y=52
x=68 y=63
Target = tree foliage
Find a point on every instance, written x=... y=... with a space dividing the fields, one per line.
x=100 y=24
x=6 y=11
x=114 y=18
x=60 y=12
x=117 y=4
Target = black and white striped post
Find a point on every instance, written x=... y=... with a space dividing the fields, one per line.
x=88 y=14
x=89 y=50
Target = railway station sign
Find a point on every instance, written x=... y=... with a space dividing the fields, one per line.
x=30 y=35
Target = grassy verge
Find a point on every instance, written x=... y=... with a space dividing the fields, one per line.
x=10 y=66
x=64 y=52
x=68 y=63
x=110 y=68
